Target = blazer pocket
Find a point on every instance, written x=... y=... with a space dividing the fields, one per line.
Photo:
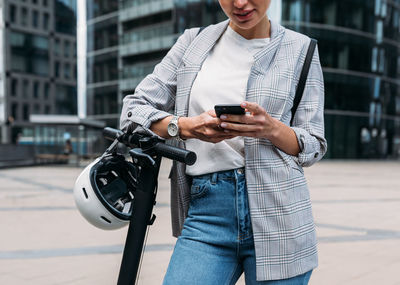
x=289 y=159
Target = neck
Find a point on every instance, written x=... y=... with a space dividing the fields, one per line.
x=259 y=31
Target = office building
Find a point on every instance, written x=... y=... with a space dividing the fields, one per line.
x=126 y=39
x=38 y=62
x=359 y=46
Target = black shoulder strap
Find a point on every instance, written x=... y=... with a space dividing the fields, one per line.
x=303 y=77
x=201 y=28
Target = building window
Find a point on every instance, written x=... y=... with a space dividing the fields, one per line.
x=57 y=47
x=57 y=69
x=45 y=3
x=35 y=19
x=24 y=16
x=65 y=17
x=40 y=66
x=13 y=13
x=29 y=53
x=25 y=90
x=14 y=111
x=46 y=18
x=65 y=97
x=41 y=43
x=25 y=112
x=47 y=109
x=34 y=1
x=14 y=87
x=67 y=71
x=36 y=109
x=46 y=90
x=36 y=90
x=67 y=48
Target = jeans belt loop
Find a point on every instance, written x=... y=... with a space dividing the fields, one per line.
x=214 y=178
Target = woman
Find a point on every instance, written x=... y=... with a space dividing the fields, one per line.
x=244 y=205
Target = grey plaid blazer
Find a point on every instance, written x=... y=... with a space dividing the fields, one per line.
x=280 y=208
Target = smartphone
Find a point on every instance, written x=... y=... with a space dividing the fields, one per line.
x=234 y=109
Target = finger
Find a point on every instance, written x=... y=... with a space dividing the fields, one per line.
x=212 y=113
x=252 y=107
x=240 y=127
x=213 y=124
x=243 y=119
x=243 y=134
x=213 y=133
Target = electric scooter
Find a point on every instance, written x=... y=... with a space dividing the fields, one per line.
x=146 y=152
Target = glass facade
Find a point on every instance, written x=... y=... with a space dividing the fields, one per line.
x=102 y=60
x=126 y=39
x=97 y=8
x=153 y=33
x=29 y=53
x=66 y=101
x=38 y=52
x=359 y=46
x=65 y=16
x=3 y=106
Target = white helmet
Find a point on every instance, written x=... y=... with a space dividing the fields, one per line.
x=105 y=190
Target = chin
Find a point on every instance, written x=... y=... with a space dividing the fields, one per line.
x=245 y=25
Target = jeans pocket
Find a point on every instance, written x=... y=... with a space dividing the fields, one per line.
x=199 y=188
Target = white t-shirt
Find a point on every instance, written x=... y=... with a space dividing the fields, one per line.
x=222 y=80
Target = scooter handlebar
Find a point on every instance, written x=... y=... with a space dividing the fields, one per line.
x=160 y=148
x=112 y=134
x=175 y=153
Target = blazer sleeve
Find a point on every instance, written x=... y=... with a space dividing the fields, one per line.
x=308 y=123
x=154 y=97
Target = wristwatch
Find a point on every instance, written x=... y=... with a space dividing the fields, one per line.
x=173 y=128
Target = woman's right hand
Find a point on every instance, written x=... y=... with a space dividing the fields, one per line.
x=205 y=127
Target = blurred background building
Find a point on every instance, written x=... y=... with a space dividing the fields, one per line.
x=359 y=44
x=120 y=42
x=126 y=39
x=38 y=63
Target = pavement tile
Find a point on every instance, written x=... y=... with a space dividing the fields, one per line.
x=44 y=239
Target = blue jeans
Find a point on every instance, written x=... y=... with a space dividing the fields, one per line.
x=216 y=245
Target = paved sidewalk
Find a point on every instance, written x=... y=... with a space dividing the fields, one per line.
x=44 y=240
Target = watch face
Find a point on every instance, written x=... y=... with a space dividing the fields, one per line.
x=172 y=130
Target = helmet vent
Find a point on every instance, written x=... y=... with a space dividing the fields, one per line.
x=84 y=192
x=105 y=219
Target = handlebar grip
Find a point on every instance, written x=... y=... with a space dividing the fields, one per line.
x=179 y=154
x=160 y=148
x=111 y=134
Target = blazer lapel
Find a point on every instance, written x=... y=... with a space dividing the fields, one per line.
x=192 y=60
x=264 y=58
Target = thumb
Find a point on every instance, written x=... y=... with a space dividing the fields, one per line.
x=252 y=107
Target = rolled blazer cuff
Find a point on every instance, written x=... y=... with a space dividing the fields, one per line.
x=141 y=124
x=312 y=148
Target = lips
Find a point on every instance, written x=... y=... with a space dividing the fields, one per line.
x=244 y=15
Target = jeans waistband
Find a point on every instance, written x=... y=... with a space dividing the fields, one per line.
x=225 y=174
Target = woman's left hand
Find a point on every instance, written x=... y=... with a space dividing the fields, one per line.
x=256 y=123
